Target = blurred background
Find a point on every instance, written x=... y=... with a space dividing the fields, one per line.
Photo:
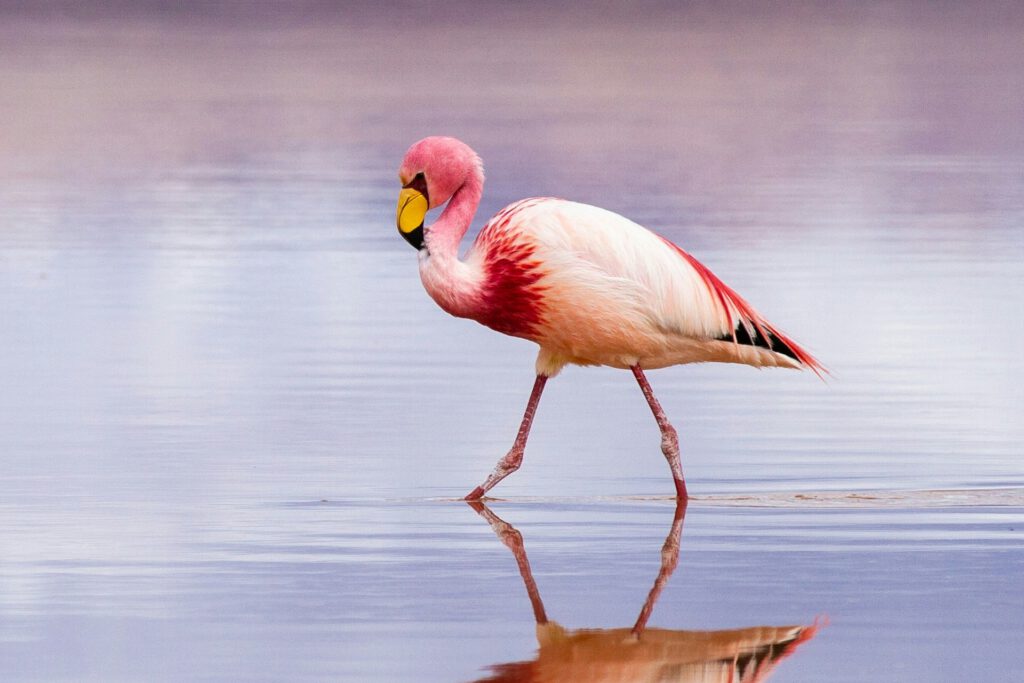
x=224 y=392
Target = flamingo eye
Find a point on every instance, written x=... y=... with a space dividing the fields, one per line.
x=419 y=183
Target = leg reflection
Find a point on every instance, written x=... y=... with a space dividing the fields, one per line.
x=744 y=655
x=669 y=561
x=513 y=540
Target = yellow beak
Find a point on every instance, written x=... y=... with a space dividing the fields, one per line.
x=412 y=208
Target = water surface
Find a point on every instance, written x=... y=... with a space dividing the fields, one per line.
x=231 y=420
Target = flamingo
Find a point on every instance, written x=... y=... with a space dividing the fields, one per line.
x=589 y=286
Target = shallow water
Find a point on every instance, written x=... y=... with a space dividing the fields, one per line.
x=232 y=421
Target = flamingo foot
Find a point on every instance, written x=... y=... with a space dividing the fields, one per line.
x=506 y=466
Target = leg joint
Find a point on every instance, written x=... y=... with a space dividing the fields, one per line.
x=669 y=439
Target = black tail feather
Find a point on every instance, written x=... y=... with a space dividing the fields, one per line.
x=770 y=342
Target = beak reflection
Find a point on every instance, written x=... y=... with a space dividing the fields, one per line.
x=637 y=653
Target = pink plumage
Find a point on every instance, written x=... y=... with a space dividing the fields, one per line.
x=589 y=286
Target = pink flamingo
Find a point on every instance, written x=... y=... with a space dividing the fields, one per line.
x=589 y=286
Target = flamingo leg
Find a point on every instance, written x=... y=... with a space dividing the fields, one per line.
x=669 y=438
x=514 y=458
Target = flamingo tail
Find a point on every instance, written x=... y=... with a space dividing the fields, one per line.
x=751 y=329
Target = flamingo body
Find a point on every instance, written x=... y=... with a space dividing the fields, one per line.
x=594 y=288
x=589 y=286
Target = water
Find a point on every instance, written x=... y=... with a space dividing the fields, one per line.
x=232 y=421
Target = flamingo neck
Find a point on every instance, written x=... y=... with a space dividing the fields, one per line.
x=453 y=284
x=443 y=237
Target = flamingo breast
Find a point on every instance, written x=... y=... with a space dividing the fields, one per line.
x=511 y=295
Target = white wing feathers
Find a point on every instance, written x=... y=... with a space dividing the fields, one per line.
x=641 y=270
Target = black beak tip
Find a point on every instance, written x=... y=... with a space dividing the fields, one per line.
x=414 y=237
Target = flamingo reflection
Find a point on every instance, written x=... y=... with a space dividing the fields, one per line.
x=638 y=653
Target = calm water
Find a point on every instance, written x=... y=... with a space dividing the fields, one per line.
x=231 y=421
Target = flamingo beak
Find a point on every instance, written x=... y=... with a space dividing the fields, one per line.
x=412 y=208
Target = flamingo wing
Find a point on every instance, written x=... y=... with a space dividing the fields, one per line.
x=610 y=287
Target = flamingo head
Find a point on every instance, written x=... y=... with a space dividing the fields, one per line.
x=432 y=171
